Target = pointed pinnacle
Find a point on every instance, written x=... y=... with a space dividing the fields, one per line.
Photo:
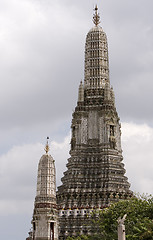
x=96 y=17
x=47 y=146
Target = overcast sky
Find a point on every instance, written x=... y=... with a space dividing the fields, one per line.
x=41 y=64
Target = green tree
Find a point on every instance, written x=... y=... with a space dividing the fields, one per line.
x=138 y=223
x=78 y=238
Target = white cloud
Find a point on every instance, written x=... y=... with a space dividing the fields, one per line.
x=18 y=173
x=137 y=142
x=60 y=152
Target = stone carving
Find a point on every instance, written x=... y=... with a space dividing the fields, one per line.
x=45 y=214
x=95 y=172
x=121 y=227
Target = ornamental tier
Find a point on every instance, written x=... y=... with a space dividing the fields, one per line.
x=95 y=174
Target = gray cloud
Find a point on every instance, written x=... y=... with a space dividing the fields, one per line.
x=41 y=65
x=42 y=39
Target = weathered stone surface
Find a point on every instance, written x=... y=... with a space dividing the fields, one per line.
x=45 y=215
x=95 y=173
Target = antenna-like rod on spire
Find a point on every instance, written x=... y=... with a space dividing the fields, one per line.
x=96 y=17
x=47 y=146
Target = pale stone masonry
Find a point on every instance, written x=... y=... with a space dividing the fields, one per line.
x=45 y=214
x=95 y=173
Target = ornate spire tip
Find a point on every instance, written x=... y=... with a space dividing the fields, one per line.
x=47 y=146
x=96 y=17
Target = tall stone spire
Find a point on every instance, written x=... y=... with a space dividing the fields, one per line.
x=95 y=174
x=45 y=215
x=96 y=58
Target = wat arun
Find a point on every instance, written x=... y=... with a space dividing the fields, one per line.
x=95 y=174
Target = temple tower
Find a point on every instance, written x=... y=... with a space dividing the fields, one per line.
x=95 y=173
x=45 y=214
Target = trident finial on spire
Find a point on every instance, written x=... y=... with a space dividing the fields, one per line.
x=47 y=146
x=96 y=17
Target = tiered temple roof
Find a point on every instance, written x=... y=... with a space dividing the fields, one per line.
x=95 y=174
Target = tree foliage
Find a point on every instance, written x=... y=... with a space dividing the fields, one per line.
x=138 y=223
